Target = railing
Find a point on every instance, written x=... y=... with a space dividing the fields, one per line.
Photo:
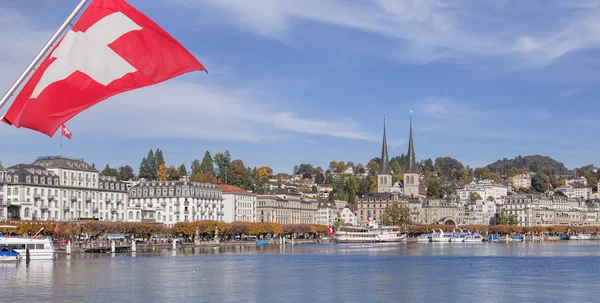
x=51 y=198
x=108 y=200
x=44 y=208
x=113 y=210
x=37 y=197
x=177 y=203
x=163 y=203
x=66 y=208
x=150 y=204
x=88 y=200
x=119 y=201
x=73 y=198
x=95 y=210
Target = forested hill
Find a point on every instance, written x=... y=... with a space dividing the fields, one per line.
x=535 y=163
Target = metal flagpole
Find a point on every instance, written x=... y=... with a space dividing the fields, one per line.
x=39 y=56
x=61 y=135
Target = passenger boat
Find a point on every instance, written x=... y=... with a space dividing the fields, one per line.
x=424 y=238
x=580 y=237
x=473 y=238
x=39 y=248
x=441 y=236
x=371 y=234
x=7 y=254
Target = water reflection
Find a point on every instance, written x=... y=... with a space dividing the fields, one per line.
x=483 y=272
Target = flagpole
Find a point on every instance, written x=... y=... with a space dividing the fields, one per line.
x=61 y=135
x=39 y=56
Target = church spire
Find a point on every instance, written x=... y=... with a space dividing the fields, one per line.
x=384 y=165
x=411 y=149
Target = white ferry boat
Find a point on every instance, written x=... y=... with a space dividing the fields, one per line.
x=441 y=236
x=374 y=234
x=39 y=248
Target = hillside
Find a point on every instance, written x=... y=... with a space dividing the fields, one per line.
x=534 y=163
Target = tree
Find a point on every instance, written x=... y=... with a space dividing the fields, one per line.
x=158 y=156
x=505 y=219
x=207 y=165
x=490 y=198
x=434 y=191
x=360 y=169
x=473 y=197
x=148 y=167
x=204 y=178
x=428 y=165
x=306 y=175
x=173 y=173
x=319 y=178
x=240 y=176
x=196 y=167
x=396 y=215
x=265 y=172
x=331 y=197
x=126 y=173
x=162 y=172
x=182 y=170
x=340 y=167
x=373 y=166
x=110 y=172
x=539 y=183
x=332 y=165
x=223 y=162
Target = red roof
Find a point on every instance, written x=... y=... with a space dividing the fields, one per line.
x=231 y=189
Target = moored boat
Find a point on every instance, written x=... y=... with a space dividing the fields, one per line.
x=8 y=254
x=38 y=248
x=373 y=234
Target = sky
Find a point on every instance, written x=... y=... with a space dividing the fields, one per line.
x=309 y=81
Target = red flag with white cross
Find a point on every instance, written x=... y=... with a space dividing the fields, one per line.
x=111 y=49
x=65 y=132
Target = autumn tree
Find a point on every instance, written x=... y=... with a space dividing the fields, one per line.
x=126 y=173
x=265 y=172
x=207 y=165
x=396 y=215
x=204 y=178
x=173 y=173
x=162 y=172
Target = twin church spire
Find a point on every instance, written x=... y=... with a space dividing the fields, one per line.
x=384 y=165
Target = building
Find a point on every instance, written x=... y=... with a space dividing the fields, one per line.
x=169 y=202
x=348 y=215
x=441 y=212
x=384 y=178
x=411 y=176
x=323 y=190
x=61 y=188
x=574 y=190
x=285 y=206
x=485 y=189
x=483 y=212
x=521 y=181
x=239 y=205
x=548 y=210
x=326 y=213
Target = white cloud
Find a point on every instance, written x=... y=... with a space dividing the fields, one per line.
x=430 y=30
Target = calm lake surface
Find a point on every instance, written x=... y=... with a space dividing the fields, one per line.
x=566 y=271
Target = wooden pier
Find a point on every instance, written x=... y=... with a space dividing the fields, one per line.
x=105 y=249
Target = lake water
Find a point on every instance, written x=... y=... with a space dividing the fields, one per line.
x=564 y=271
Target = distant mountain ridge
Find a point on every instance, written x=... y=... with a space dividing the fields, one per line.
x=535 y=163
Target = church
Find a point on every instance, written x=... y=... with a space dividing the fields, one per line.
x=372 y=205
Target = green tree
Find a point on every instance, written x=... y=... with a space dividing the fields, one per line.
x=434 y=191
x=340 y=167
x=158 y=156
x=373 y=167
x=173 y=173
x=239 y=175
x=332 y=165
x=223 y=162
x=319 y=178
x=148 y=167
x=196 y=167
x=207 y=165
x=360 y=169
x=490 y=198
x=539 y=183
x=306 y=175
x=331 y=197
x=110 y=172
x=473 y=197
x=396 y=215
x=505 y=219
x=182 y=170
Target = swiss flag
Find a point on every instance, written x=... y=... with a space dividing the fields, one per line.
x=64 y=131
x=112 y=48
x=330 y=230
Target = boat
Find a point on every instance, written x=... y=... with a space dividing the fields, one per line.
x=473 y=238
x=369 y=234
x=8 y=254
x=458 y=237
x=261 y=243
x=493 y=238
x=517 y=239
x=580 y=237
x=38 y=248
x=441 y=236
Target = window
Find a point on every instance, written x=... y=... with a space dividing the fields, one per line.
x=8 y=191
x=16 y=192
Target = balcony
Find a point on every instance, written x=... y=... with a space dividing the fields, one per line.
x=163 y=203
x=193 y=212
x=214 y=204
x=119 y=202
x=51 y=198
x=80 y=178
x=113 y=210
x=66 y=208
x=138 y=204
x=88 y=200
x=177 y=212
x=187 y=212
x=150 y=204
x=186 y=203
x=95 y=210
x=177 y=203
x=44 y=208
x=73 y=199
x=36 y=197
x=108 y=200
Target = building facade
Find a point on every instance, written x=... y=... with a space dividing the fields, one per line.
x=485 y=189
x=285 y=206
x=576 y=191
x=238 y=205
x=326 y=213
x=521 y=181
x=61 y=188
x=169 y=202
x=347 y=216
x=548 y=210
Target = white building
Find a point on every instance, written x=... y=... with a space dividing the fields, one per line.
x=170 y=202
x=323 y=190
x=60 y=188
x=482 y=212
x=522 y=180
x=576 y=191
x=484 y=188
x=326 y=213
x=545 y=210
x=238 y=205
x=348 y=217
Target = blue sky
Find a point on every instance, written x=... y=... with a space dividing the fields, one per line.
x=309 y=81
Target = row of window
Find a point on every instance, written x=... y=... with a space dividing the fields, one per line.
x=166 y=192
x=42 y=193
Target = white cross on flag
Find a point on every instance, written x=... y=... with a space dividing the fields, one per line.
x=65 y=132
x=111 y=49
